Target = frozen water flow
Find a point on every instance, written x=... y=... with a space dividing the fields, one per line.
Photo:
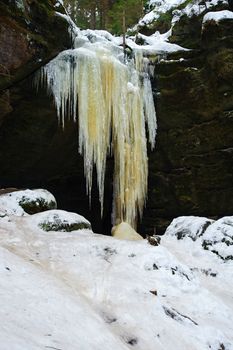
x=113 y=101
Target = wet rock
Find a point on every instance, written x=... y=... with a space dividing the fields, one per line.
x=190 y=172
x=27 y=37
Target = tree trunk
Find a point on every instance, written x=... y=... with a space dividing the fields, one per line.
x=124 y=30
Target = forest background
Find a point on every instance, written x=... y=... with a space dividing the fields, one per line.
x=112 y=15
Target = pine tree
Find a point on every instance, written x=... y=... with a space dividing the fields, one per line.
x=124 y=13
x=114 y=15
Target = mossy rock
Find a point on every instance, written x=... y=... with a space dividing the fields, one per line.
x=35 y=201
x=58 y=225
x=187 y=32
x=21 y=202
x=161 y=24
x=222 y=62
x=59 y=220
x=36 y=206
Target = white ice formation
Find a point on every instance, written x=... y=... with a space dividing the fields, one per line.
x=111 y=98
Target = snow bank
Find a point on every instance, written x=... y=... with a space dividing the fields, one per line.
x=154 y=44
x=25 y=202
x=216 y=236
x=90 y=292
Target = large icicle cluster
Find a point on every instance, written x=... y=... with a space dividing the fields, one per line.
x=112 y=101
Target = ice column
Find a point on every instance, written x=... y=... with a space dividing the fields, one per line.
x=112 y=102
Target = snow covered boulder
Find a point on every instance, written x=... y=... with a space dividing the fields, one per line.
x=218 y=238
x=126 y=232
x=25 y=202
x=188 y=226
x=58 y=220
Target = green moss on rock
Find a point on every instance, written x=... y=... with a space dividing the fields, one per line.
x=36 y=206
x=58 y=225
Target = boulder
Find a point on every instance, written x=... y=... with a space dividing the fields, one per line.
x=58 y=220
x=188 y=226
x=25 y=202
x=218 y=238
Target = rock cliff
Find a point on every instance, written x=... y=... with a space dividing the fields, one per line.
x=190 y=170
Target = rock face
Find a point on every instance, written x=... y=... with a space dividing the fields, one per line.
x=35 y=151
x=27 y=36
x=190 y=172
x=27 y=39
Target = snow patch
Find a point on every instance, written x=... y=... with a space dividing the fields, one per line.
x=160 y=7
x=218 y=16
x=215 y=236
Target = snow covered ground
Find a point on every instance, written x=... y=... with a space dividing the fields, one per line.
x=83 y=291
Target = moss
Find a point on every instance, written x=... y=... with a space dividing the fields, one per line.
x=222 y=62
x=37 y=206
x=161 y=24
x=187 y=32
x=164 y=20
x=61 y=226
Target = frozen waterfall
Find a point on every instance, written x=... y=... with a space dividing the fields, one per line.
x=112 y=102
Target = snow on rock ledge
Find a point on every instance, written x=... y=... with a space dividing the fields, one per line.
x=188 y=226
x=217 y=16
x=58 y=220
x=21 y=203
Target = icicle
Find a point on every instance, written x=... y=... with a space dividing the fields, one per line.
x=114 y=102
